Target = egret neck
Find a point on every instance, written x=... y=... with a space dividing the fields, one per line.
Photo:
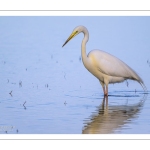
x=83 y=47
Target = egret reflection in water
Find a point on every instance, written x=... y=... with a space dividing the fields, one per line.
x=109 y=118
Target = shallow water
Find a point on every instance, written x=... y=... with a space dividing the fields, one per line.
x=46 y=89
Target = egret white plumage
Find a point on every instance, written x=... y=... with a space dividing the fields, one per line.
x=104 y=66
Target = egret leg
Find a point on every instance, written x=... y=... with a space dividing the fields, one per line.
x=106 y=91
x=103 y=86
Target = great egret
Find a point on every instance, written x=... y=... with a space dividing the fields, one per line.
x=104 y=66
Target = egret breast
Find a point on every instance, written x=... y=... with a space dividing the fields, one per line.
x=94 y=67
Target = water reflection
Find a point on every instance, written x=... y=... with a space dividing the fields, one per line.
x=109 y=118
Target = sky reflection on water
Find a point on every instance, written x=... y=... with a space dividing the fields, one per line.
x=46 y=89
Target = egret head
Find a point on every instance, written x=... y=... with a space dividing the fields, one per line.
x=75 y=32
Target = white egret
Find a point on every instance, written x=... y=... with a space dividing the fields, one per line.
x=104 y=66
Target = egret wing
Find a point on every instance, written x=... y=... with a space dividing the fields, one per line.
x=111 y=65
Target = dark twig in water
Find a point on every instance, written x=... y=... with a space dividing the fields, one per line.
x=24 y=105
x=13 y=83
x=20 y=84
x=17 y=131
x=64 y=75
x=148 y=63
x=80 y=58
x=65 y=103
x=46 y=85
x=10 y=93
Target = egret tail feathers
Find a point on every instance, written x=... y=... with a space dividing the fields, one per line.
x=143 y=86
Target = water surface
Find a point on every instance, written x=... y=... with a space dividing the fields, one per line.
x=46 y=89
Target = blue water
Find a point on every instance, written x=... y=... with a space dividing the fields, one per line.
x=46 y=89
